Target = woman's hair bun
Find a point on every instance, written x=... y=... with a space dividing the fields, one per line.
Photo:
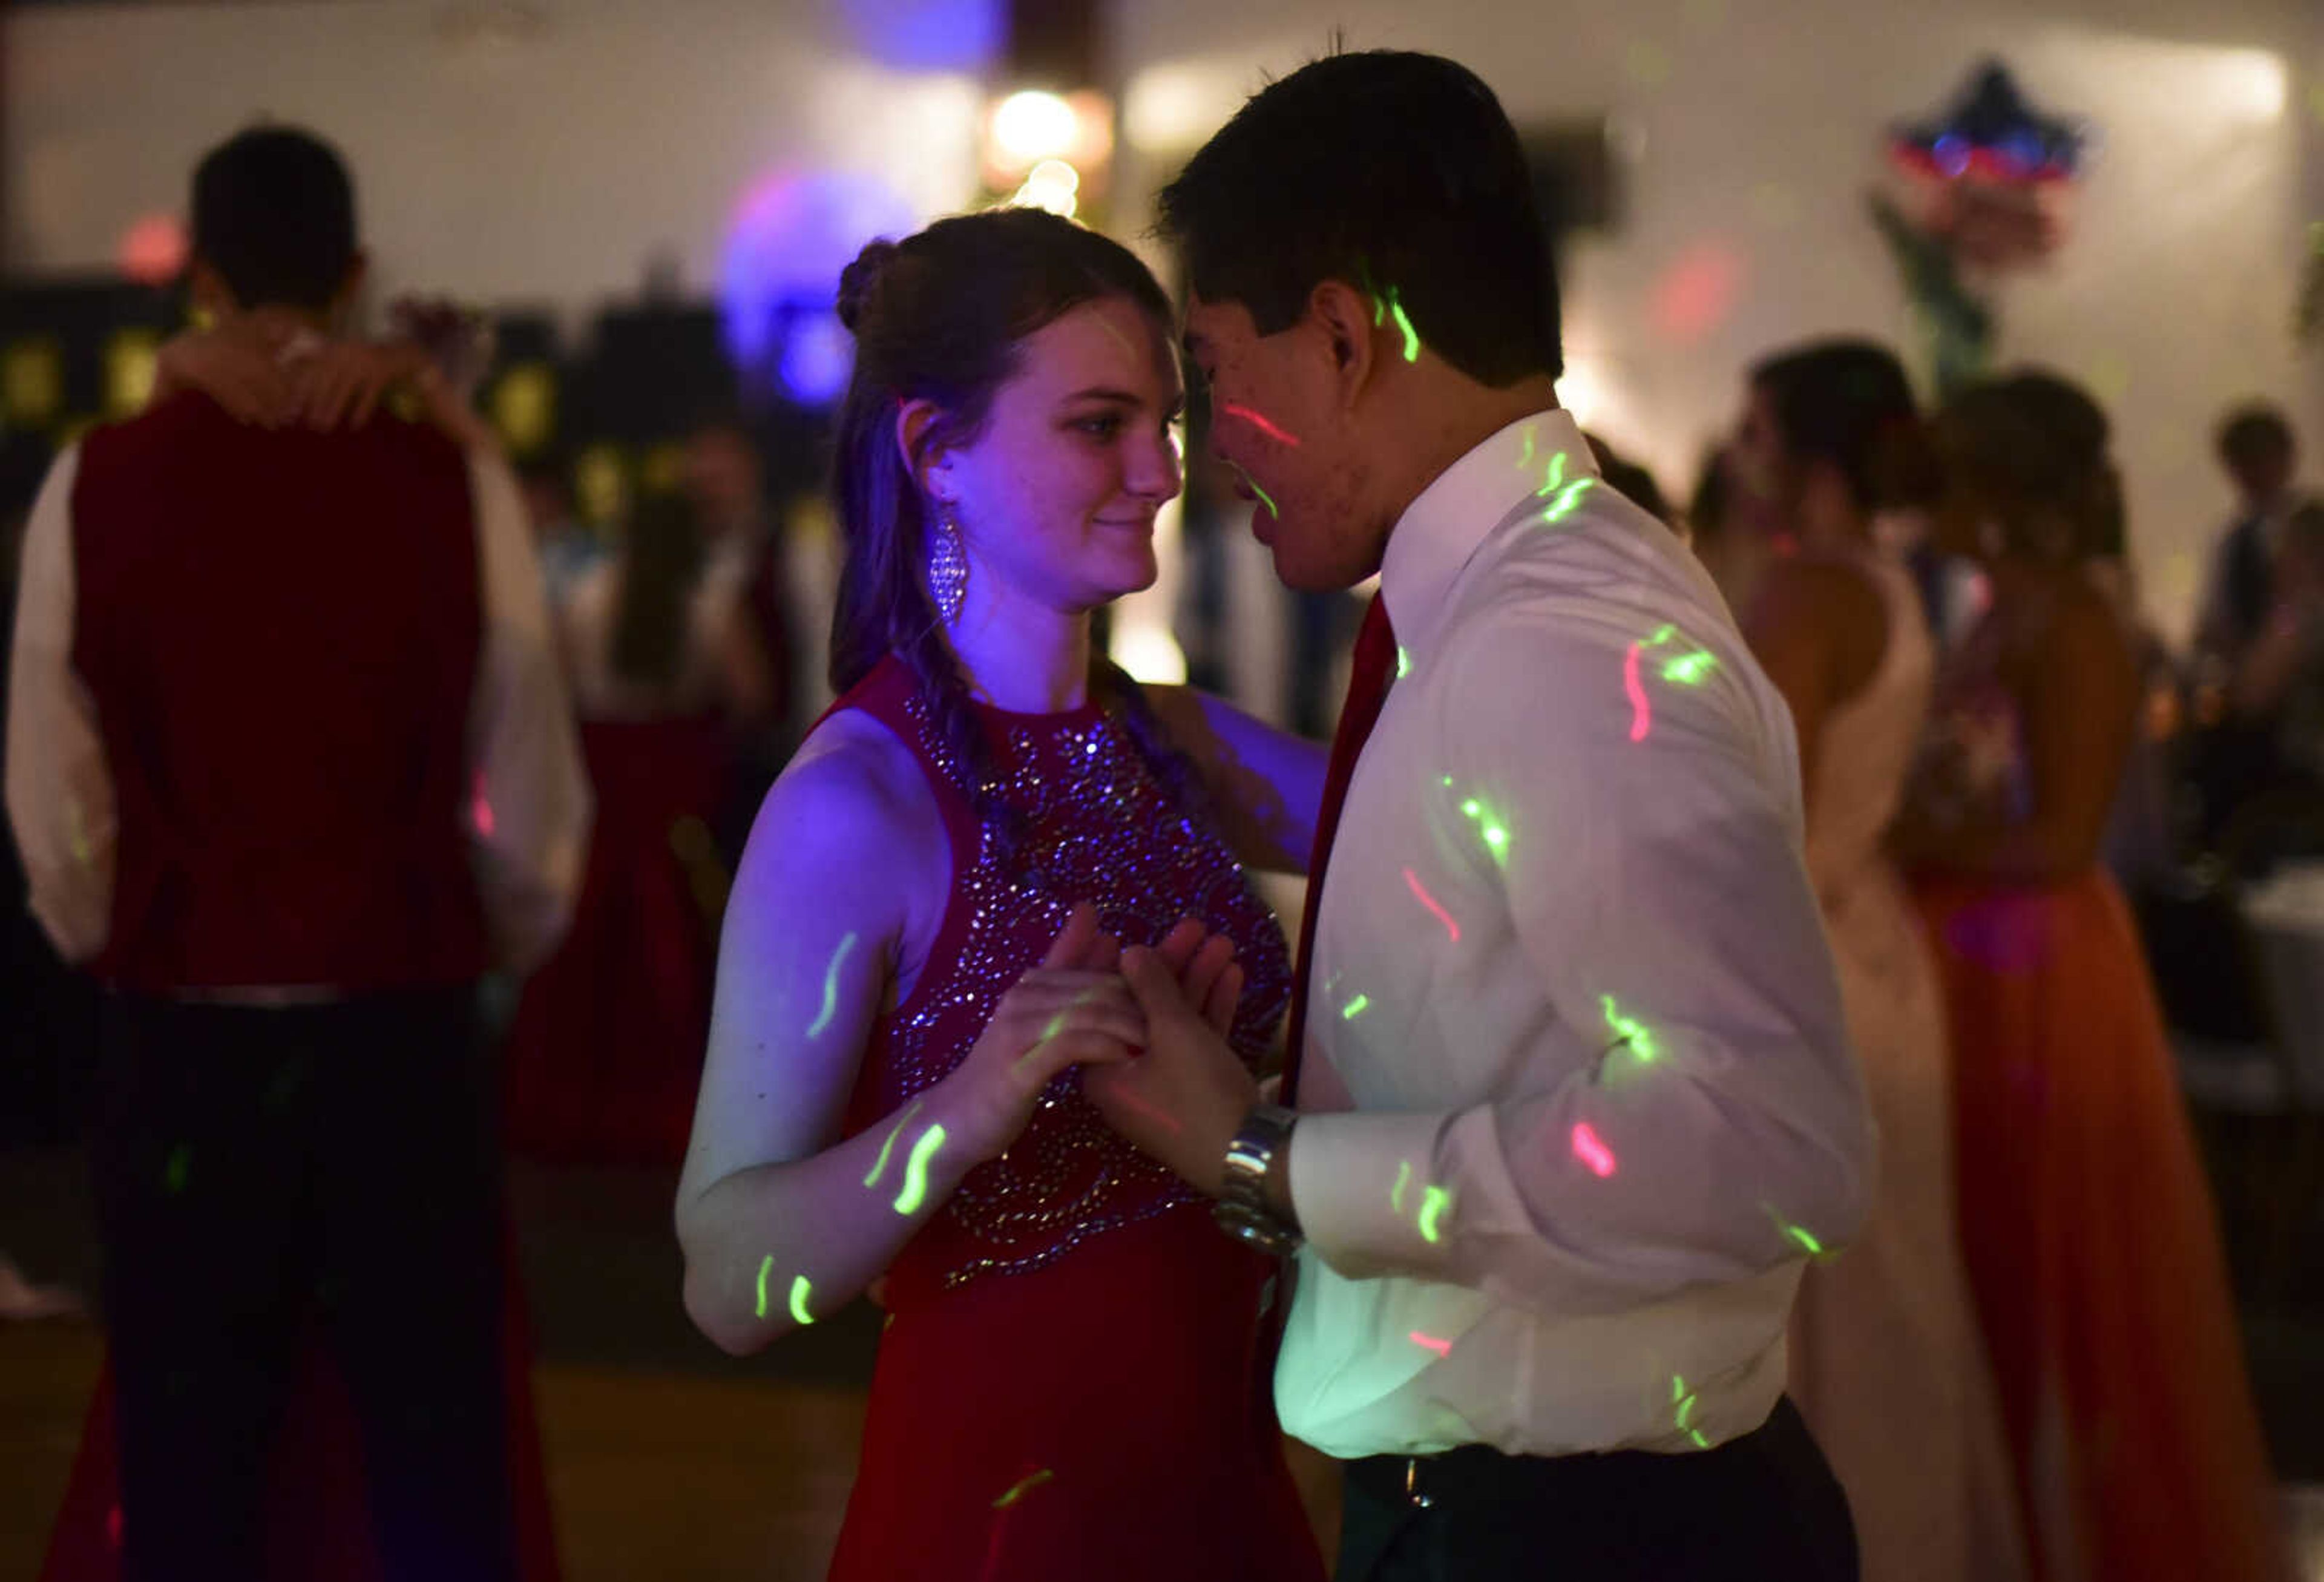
x=861 y=279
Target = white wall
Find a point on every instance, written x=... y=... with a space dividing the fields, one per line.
x=537 y=152
x=501 y=158
x=1756 y=126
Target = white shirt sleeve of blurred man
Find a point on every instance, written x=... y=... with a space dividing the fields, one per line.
x=530 y=808
x=60 y=791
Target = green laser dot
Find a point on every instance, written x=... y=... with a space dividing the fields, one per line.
x=1688 y=669
x=1814 y=1247
x=1434 y=1201
x=1023 y=1486
x=1355 y=1007
x=1404 y=323
x=915 y=1170
x=830 y=987
x=1629 y=1029
x=1403 y=661
x=887 y=1145
x=800 y=1289
x=1403 y=1180
x=765 y=1264
x=1564 y=505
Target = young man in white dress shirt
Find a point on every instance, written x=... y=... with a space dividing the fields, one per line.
x=1576 y=1101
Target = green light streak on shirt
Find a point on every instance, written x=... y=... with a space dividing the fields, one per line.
x=1556 y=480
x=1814 y=1247
x=830 y=987
x=1564 y=505
x=887 y=1145
x=1403 y=1180
x=1661 y=637
x=800 y=1289
x=1403 y=661
x=1700 y=1442
x=1434 y=1201
x=1678 y=1388
x=915 y=1170
x=765 y=1264
x=1525 y=460
x=1489 y=828
x=1024 y=1486
x=1688 y=669
x=1355 y=1007
x=1630 y=1030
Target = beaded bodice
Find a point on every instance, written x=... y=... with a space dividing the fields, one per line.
x=1096 y=825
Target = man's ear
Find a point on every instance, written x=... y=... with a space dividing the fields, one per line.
x=351 y=285
x=1343 y=316
x=208 y=295
x=927 y=459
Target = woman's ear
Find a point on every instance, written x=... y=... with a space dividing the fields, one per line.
x=925 y=456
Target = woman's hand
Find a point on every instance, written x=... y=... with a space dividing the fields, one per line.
x=243 y=371
x=1068 y=1011
x=341 y=383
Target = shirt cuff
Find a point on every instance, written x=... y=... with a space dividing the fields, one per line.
x=1368 y=1201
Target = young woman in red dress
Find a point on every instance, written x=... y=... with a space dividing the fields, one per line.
x=919 y=947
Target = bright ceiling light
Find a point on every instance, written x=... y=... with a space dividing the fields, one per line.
x=1031 y=126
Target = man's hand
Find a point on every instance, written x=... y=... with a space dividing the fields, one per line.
x=1183 y=1099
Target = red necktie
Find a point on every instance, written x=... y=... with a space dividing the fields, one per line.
x=1367 y=689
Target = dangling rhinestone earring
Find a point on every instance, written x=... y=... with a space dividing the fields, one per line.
x=947 y=567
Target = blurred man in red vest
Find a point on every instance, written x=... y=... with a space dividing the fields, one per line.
x=292 y=767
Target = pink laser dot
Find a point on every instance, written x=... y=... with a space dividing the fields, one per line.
x=1641 y=713
x=1440 y=1348
x=1591 y=1151
x=480 y=807
x=1452 y=928
x=1260 y=421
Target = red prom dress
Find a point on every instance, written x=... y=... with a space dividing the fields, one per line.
x=1071 y=1382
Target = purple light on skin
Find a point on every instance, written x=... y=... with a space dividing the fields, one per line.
x=1591 y=1151
x=1411 y=881
x=1430 y=1343
x=1261 y=422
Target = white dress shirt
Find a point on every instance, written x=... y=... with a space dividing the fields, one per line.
x=1580 y=1098
x=529 y=822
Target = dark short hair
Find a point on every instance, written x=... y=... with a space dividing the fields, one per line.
x=275 y=214
x=1395 y=172
x=1848 y=404
x=2253 y=436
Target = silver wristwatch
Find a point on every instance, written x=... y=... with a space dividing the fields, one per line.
x=1242 y=1210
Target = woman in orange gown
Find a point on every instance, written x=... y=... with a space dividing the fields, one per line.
x=2087 y=1225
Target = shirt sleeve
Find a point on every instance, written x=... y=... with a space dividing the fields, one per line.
x=1687 y=1110
x=60 y=791
x=530 y=808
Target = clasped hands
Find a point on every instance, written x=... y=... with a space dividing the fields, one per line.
x=1181 y=1092
x=275 y=374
